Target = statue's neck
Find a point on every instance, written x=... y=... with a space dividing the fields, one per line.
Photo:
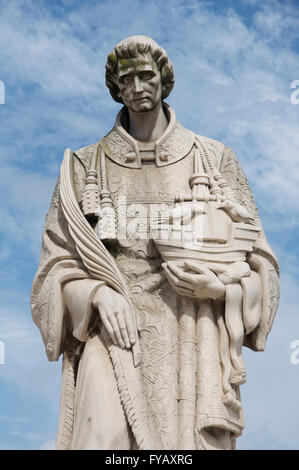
x=147 y=126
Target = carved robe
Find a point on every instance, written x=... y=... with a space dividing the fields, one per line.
x=174 y=399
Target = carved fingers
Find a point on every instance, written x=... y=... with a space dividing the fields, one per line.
x=116 y=316
x=107 y=323
x=176 y=275
x=205 y=270
x=178 y=279
x=200 y=283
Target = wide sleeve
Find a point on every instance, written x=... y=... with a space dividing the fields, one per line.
x=62 y=288
x=261 y=289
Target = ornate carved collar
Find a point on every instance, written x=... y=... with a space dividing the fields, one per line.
x=174 y=144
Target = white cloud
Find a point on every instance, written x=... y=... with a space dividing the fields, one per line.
x=44 y=51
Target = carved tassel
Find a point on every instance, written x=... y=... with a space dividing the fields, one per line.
x=90 y=194
x=106 y=226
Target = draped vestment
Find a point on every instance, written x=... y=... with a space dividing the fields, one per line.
x=174 y=398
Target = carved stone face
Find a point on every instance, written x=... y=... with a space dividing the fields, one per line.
x=139 y=83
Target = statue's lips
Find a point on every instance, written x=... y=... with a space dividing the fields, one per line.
x=141 y=99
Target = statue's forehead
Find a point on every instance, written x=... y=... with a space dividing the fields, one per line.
x=142 y=62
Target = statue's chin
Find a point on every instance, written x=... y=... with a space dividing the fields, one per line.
x=141 y=106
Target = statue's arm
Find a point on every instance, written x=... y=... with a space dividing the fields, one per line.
x=62 y=290
x=261 y=288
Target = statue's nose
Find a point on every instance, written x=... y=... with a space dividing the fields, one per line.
x=137 y=84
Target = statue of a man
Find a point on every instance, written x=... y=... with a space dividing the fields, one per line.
x=154 y=272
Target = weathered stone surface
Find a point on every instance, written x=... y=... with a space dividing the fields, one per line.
x=154 y=272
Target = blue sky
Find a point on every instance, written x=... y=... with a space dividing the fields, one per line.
x=234 y=64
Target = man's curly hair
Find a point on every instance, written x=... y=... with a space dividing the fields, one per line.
x=130 y=48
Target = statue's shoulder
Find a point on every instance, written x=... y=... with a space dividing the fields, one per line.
x=215 y=148
x=83 y=155
x=81 y=164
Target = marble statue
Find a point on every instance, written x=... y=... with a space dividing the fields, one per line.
x=154 y=273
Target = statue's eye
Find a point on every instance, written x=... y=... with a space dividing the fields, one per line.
x=146 y=75
x=126 y=80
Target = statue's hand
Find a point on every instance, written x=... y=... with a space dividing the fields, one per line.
x=200 y=283
x=116 y=316
x=232 y=273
